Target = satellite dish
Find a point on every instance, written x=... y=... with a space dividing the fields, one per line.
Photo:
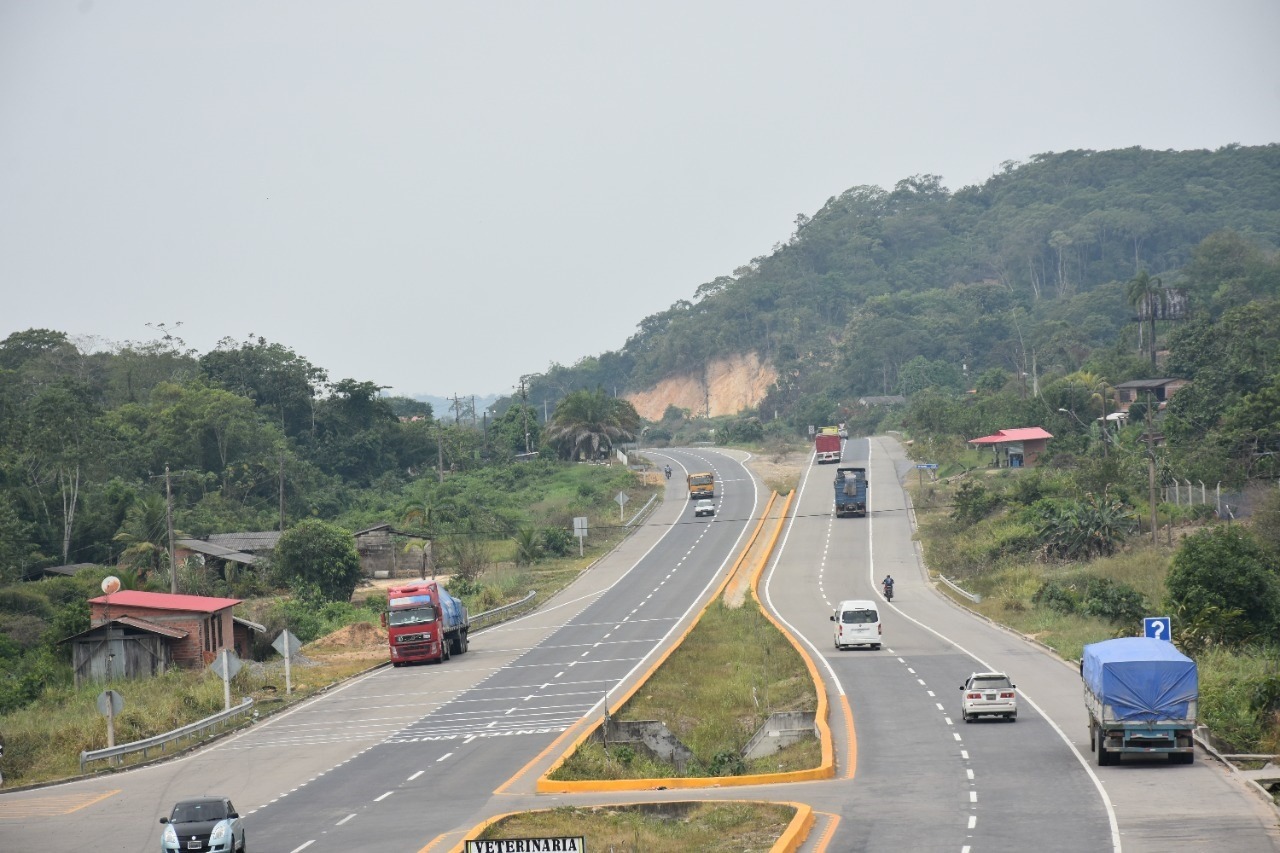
x=110 y=584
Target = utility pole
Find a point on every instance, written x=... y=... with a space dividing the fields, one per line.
x=173 y=550
x=524 y=412
x=440 y=450
x=282 y=491
x=1151 y=469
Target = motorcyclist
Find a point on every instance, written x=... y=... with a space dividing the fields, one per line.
x=888 y=586
x=667 y=471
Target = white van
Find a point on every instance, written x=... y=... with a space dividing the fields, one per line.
x=857 y=624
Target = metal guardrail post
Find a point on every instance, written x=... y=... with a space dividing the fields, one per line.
x=116 y=754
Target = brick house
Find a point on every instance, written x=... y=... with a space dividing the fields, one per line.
x=1015 y=448
x=139 y=634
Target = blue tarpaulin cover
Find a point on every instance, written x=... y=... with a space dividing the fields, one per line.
x=452 y=611
x=1142 y=679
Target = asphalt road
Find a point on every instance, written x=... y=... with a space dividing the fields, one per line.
x=403 y=758
x=924 y=780
x=394 y=758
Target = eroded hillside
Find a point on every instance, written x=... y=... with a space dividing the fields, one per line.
x=727 y=387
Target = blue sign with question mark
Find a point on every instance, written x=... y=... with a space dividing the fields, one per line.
x=1157 y=627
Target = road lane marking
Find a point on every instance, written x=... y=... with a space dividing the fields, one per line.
x=973 y=821
x=303 y=847
x=415 y=775
x=345 y=819
x=969 y=773
x=383 y=797
x=52 y=806
x=973 y=796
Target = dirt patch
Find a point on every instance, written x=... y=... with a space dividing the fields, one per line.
x=726 y=387
x=357 y=640
x=782 y=468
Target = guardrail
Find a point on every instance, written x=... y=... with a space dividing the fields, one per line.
x=161 y=742
x=642 y=510
x=499 y=614
x=975 y=598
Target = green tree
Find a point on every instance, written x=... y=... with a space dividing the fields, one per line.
x=145 y=535
x=1225 y=569
x=319 y=555
x=1146 y=295
x=587 y=424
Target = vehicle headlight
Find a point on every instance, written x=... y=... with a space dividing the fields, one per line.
x=219 y=832
x=170 y=835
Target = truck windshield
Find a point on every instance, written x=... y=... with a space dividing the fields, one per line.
x=701 y=479
x=413 y=616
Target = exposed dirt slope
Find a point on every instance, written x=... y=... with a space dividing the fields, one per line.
x=728 y=386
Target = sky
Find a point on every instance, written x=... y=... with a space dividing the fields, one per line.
x=443 y=197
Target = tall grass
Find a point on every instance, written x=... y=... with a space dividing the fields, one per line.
x=708 y=827
x=714 y=692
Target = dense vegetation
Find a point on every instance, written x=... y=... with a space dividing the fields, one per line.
x=249 y=437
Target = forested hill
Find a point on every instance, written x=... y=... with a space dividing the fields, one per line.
x=882 y=290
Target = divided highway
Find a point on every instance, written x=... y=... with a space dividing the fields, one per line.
x=401 y=757
x=921 y=777
x=393 y=759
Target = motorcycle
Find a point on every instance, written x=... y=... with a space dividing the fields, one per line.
x=888 y=592
x=667 y=471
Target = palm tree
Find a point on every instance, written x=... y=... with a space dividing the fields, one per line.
x=1146 y=294
x=145 y=534
x=588 y=423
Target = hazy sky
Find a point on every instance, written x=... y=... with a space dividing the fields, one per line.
x=440 y=197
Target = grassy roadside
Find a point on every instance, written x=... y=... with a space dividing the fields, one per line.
x=43 y=741
x=709 y=827
x=1066 y=605
x=714 y=692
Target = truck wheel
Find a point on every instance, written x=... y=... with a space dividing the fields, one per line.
x=1105 y=758
x=1182 y=758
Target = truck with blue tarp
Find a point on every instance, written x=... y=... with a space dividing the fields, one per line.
x=1141 y=694
x=425 y=623
x=851 y=491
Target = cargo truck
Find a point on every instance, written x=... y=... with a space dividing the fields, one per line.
x=424 y=623
x=851 y=491
x=701 y=485
x=1141 y=694
x=826 y=445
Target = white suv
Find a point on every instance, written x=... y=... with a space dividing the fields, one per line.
x=704 y=507
x=989 y=694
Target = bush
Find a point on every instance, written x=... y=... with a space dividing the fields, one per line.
x=1226 y=571
x=1116 y=602
x=973 y=502
x=1057 y=595
x=557 y=541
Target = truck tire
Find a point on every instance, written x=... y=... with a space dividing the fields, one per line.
x=1182 y=758
x=1105 y=757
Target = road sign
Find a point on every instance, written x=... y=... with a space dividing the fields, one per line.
x=570 y=844
x=110 y=703
x=286 y=644
x=232 y=666
x=1157 y=627
x=928 y=466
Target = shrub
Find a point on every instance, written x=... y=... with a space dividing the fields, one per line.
x=1057 y=595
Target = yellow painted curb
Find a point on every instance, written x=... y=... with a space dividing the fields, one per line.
x=790 y=840
x=825 y=768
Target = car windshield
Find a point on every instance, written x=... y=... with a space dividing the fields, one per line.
x=858 y=617
x=198 y=812
x=414 y=616
x=991 y=683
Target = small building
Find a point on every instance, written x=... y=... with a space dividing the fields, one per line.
x=1138 y=390
x=383 y=552
x=1015 y=448
x=137 y=634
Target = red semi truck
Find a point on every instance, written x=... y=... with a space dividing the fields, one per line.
x=827 y=446
x=424 y=623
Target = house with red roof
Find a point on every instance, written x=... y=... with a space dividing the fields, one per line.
x=1015 y=448
x=137 y=634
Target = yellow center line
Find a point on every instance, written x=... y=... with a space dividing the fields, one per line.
x=51 y=806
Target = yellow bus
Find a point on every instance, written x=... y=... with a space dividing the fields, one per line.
x=702 y=485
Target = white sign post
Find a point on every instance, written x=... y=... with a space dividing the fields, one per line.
x=580 y=530
x=225 y=666
x=287 y=645
x=622 y=499
x=110 y=703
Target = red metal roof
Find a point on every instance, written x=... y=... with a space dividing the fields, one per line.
x=165 y=601
x=1002 y=436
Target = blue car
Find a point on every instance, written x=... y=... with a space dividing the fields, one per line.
x=204 y=824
